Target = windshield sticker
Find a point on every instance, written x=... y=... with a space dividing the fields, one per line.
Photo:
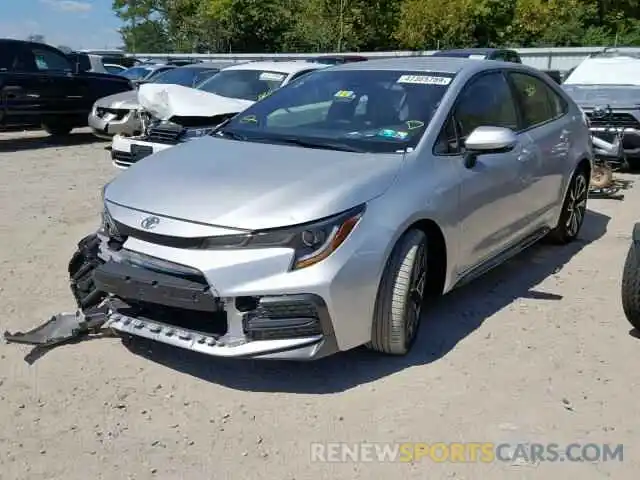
x=249 y=119
x=530 y=90
x=345 y=95
x=271 y=77
x=388 y=133
x=264 y=94
x=475 y=56
x=424 y=79
x=414 y=124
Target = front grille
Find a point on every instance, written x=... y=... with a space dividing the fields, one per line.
x=282 y=318
x=158 y=239
x=616 y=119
x=122 y=158
x=168 y=134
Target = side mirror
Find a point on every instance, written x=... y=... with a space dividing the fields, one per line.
x=484 y=140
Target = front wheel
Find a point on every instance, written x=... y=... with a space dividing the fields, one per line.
x=400 y=296
x=631 y=286
x=57 y=130
x=573 y=211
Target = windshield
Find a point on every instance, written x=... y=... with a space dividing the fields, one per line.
x=364 y=110
x=187 y=77
x=244 y=84
x=136 y=73
x=594 y=95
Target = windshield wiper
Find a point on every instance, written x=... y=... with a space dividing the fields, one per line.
x=229 y=134
x=318 y=144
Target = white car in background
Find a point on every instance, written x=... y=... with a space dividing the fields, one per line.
x=179 y=114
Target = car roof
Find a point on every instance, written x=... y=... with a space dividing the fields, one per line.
x=206 y=65
x=472 y=51
x=425 y=64
x=282 y=67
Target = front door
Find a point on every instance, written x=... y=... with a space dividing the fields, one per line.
x=62 y=94
x=491 y=192
x=19 y=90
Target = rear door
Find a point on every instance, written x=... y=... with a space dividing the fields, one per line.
x=545 y=119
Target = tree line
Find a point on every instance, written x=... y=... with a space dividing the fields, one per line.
x=272 y=26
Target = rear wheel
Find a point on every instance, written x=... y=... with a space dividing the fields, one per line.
x=631 y=286
x=574 y=210
x=57 y=130
x=400 y=296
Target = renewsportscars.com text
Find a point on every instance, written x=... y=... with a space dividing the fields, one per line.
x=472 y=452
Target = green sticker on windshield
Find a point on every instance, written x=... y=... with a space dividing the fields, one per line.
x=413 y=124
x=345 y=95
x=264 y=94
x=249 y=119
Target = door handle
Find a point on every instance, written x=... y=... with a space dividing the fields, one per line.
x=525 y=155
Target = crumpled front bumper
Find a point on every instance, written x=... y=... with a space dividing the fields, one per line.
x=174 y=305
x=117 y=122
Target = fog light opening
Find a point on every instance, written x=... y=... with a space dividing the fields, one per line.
x=247 y=304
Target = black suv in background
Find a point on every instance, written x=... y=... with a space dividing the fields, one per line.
x=40 y=86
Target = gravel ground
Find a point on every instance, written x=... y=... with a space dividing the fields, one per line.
x=537 y=351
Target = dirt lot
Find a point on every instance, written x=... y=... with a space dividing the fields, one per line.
x=538 y=351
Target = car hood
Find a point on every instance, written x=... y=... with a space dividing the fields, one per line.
x=124 y=100
x=250 y=185
x=166 y=101
x=589 y=96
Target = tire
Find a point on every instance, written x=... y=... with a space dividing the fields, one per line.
x=57 y=130
x=573 y=212
x=400 y=297
x=631 y=286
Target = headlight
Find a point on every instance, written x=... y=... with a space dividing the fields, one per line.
x=312 y=242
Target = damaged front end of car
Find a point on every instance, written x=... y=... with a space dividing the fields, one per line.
x=131 y=294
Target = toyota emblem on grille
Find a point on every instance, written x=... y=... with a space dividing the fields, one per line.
x=149 y=223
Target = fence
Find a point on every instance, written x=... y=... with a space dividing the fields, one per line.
x=561 y=58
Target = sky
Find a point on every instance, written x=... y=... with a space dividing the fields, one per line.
x=74 y=23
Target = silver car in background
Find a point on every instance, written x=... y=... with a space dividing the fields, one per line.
x=120 y=113
x=325 y=215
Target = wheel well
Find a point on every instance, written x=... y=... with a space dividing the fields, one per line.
x=585 y=165
x=436 y=256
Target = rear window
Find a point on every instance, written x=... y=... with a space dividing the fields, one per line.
x=187 y=77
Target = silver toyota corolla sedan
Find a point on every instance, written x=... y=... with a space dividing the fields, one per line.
x=325 y=216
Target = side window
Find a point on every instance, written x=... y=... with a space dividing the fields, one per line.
x=539 y=102
x=7 y=57
x=50 y=60
x=485 y=102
